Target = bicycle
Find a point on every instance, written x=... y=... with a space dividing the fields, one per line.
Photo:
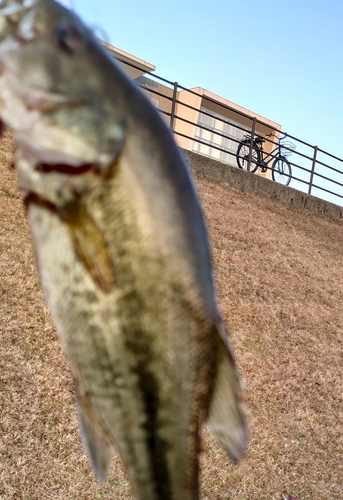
x=281 y=168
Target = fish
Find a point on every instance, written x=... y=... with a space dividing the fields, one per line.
x=122 y=254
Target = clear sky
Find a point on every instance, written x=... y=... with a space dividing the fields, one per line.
x=280 y=59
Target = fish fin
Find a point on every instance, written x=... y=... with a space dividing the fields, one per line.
x=90 y=246
x=95 y=439
x=227 y=417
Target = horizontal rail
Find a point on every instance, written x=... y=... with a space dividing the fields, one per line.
x=307 y=169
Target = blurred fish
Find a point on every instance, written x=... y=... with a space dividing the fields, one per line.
x=122 y=253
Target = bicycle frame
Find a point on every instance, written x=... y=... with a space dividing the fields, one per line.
x=266 y=158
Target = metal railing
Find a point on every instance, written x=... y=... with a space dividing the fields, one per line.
x=314 y=170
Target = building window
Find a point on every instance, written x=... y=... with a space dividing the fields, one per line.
x=147 y=82
x=216 y=137
x=154 y=101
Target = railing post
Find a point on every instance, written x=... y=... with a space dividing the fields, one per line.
x=172 y=112
x=312 y=169
x=251 y=142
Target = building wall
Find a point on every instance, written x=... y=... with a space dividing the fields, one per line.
x=217 y=126
x=187 y=113
x=160 y=95
x=204 y=122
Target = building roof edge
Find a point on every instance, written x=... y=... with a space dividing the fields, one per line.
x=118 y=53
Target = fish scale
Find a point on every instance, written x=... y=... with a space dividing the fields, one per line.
x=122 y=254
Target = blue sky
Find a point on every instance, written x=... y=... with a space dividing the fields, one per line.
x=280 y=59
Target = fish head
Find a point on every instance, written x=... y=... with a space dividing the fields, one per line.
x=68 y=130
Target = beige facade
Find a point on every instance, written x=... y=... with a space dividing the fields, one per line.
x=132 y=65
x=203 y=122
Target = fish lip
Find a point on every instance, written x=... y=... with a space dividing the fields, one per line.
x=35 y=97
x=41 y=100
x=66 y=169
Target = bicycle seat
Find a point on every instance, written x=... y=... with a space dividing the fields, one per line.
x=259 y=139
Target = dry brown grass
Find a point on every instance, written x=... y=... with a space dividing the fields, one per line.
x=279 y=278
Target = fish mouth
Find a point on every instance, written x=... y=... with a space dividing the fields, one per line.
x=48 y=160
x=41 y=100
x=63 y=168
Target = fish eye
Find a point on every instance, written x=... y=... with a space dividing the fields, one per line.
x=68 y=38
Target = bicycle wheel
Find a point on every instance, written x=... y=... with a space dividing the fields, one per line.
x=242 y=157
x=282 y=171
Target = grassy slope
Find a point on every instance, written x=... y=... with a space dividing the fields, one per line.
x=279 y=280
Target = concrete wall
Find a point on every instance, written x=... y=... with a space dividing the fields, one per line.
x=251 y=183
